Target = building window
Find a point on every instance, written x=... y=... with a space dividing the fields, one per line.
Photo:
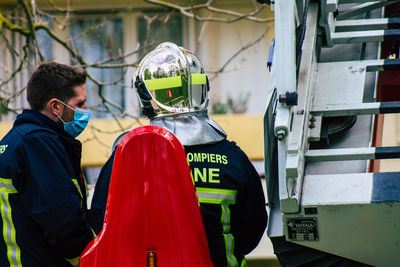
x=159 y=30
x=45 y=42
x=99 y=40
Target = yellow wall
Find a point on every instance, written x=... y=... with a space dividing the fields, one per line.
x=245 y=130
x=390 y=138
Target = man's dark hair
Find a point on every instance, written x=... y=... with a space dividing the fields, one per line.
x=53 y=80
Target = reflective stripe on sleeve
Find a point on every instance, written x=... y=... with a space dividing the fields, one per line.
x=9 y=233
x=229 y=247
x=223 y=197
x=243 y=262
x=74 y=262
x=216 y=196
x=75 y=181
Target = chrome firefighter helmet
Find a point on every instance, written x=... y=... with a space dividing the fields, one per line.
x=171 y=80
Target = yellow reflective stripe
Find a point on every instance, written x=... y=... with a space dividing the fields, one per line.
x=229 y=247
x=225 y=217
x=229 y=239
x=75 y=181
x=216 y=191
x=216 y=196
x=74 y=262
x=84 y=183
x=94 y=234
x=163 y=83
x=9 y=233
x=172 y=82
x=223 y=197
x=198 y=78
x=7 y=186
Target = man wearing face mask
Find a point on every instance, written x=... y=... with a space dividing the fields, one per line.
x=43 y=192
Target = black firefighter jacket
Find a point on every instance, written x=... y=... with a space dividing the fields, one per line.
x=43 y=197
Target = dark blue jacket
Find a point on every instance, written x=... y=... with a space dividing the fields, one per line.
x=231 y=200
x=43 y=196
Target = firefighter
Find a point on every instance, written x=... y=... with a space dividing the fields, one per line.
x=43 y=196
x=173 y=92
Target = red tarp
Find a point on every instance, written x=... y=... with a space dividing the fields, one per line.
x=151 y=206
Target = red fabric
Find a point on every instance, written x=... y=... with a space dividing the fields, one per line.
x=151 y=206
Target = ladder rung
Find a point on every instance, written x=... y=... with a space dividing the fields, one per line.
x=359 y=153
x=331 y=5
x=363 y=8
x=365 y=36
x=356 y=1
x=356 y=109
x=383 y=64
x=350 y=188
x=367 y=24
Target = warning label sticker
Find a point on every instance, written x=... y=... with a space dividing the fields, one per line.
x=300 y=229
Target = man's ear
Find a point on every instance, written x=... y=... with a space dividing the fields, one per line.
x=54 y=106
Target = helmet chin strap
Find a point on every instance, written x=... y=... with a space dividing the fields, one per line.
x=147 y=108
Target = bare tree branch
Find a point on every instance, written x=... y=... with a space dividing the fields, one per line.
x=32 y=33
x=238 y=16
x=13 y=27
x=24 y=23
x=242 y=49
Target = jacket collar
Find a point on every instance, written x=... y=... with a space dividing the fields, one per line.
x=41 y=120
x=72 y=146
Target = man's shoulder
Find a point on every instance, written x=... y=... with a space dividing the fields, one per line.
x=26 y=133
x=26 y=130
x=225 y=146
x=20 y=139
x=233 y=149
x=29 y=129
x=228 y=144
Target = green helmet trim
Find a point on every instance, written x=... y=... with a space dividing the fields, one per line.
x=172 y=82
x=163 y=83
x=198 y=78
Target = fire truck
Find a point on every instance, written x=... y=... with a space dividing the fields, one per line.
x=334 y=66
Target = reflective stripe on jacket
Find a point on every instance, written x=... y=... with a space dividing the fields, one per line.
x=43 y=197
x=231 y=200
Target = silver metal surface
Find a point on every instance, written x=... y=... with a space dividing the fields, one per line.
x=361 y=9
x=359 y=136
x=195 y=128
x=346 y=109
x=358 y=37
x=285 y=81
x=349 y=225
x=361 y=153
x=333 y=80
x=331 y=186
x=361 y=25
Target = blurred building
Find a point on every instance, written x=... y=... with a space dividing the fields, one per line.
x=234 y=53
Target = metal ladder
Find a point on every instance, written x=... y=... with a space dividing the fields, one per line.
x=317 y=195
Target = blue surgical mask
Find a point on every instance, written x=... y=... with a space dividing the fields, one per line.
x=81 y=120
